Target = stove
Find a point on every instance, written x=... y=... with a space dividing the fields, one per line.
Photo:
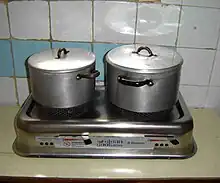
x=103 y=132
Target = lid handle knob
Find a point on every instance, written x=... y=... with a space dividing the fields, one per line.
x=59 y=52
x=144 y=48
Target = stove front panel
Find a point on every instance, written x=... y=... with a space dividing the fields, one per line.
x=102 y=145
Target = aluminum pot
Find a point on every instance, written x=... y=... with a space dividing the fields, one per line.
x=62 y=78
x=143 y=79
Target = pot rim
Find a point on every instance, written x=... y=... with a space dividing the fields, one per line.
x=61 y=71
x=145 y=71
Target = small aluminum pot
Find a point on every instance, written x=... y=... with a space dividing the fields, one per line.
x=62 y=78
x=143 y=79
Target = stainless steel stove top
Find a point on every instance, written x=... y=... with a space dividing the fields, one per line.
x=103 y=133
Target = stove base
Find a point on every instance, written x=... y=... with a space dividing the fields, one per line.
x=101 y=133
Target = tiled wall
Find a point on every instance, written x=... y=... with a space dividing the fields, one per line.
x=192 y=26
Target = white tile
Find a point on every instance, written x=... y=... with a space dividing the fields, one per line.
x=197 y=66
x=176 y=2
x=219 y=43
x=199 y=27
x=215 y=79
x=114 y=21
x=171 y=1
x=4 y=30
x=23 y=89
x=7 y=91
x=195 y=96
x=157 y=24
x=202 y=3
x=29 y=19
x=213 y=98
x=71 y=20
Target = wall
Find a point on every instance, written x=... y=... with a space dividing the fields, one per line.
x=191 y=26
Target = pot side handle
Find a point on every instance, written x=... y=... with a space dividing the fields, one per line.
x=129 y=82
x=91 y=75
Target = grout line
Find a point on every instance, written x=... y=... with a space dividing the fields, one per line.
x=175 y=4
x=194 y=85
x=66 y=41
x=93 y=27
x=159 y=3
x=213 y=63
x=94 y=42
x=23 y=39
x=50 y=29
x=200 y=6
x=12 y=56
x=178 y=29
x=206 y=96
x=196 y=48
x=4 y=39
x=181 y=4
x=107 y=42
x=136 y=21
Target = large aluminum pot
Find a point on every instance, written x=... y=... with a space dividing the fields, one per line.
x=143 y=79
x=62 y=78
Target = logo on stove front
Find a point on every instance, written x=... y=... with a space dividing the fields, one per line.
x=110 y=143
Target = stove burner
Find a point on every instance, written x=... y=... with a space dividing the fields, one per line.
x=62 y=113
x=152 y=116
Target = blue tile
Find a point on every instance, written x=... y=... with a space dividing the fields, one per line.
x=100 y=50
x=86 y=46
x=6 y=63
x=22 y=50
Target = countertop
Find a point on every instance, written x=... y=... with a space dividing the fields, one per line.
x=205 y=163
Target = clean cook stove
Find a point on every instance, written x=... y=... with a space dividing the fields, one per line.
x=103 y=133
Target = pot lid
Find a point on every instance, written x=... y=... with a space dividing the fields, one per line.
x=61 y=59
x=144 y=58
